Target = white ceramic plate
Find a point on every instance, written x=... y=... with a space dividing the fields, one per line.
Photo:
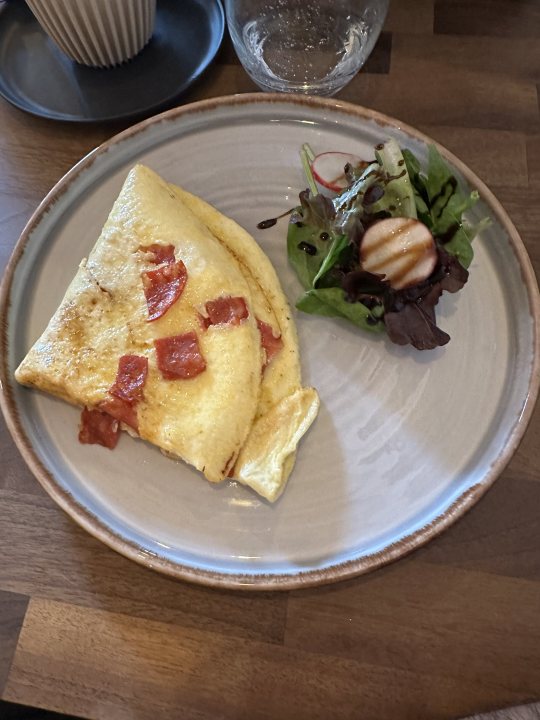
x=405 y=441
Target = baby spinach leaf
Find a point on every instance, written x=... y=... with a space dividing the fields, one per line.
x=339 y=243
x=332 y=302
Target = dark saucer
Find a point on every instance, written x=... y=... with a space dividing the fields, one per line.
x=37 y=77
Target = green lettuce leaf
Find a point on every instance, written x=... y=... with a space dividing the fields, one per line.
x=331 y=302
x=398 y=198
x=441 y=205
x=338 y=245
x=314 y=245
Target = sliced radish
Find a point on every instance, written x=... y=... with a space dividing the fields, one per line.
x=328 y=169
x=401 y=249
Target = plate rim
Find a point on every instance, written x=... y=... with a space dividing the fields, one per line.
x=268 y=581
x=33 y=109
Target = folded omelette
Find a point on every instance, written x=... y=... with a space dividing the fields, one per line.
x=175 y=329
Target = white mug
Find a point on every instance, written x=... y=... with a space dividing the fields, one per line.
x=99 y=33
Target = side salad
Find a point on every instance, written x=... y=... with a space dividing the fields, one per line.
x=381 y=252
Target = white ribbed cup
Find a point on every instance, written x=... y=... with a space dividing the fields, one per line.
x=99 y=33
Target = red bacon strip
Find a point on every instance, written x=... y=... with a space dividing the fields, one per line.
x=120 y=410
x=100 y=425
x=179 y=356
x=270 y=343
x=159 y=254
x=130 y=378
x=162 y=287
x=98 y=428
x=225 y=311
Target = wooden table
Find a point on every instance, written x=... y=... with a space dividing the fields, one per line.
x=453 y=629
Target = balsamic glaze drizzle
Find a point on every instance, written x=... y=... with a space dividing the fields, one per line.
x=265 y=224
x=307 y=248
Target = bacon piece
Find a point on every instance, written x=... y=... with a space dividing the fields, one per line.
x=124 y=395
x=179 y=356
x=159 y=254
x=204 y=322
x=225 y=311
x=120 y=410
x=270 y=343
x=130 y=378
x=162 y=287
x=98 y=428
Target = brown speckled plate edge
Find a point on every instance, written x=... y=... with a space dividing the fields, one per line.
x=333 y=573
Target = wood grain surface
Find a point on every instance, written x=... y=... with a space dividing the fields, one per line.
x=453 y=629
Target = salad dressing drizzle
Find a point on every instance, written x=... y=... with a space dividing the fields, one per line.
x=265 y=224
x=307 y=248
x=451 y=184
x=449 y=234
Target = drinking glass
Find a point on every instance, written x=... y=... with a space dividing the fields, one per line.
x=306 y=46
